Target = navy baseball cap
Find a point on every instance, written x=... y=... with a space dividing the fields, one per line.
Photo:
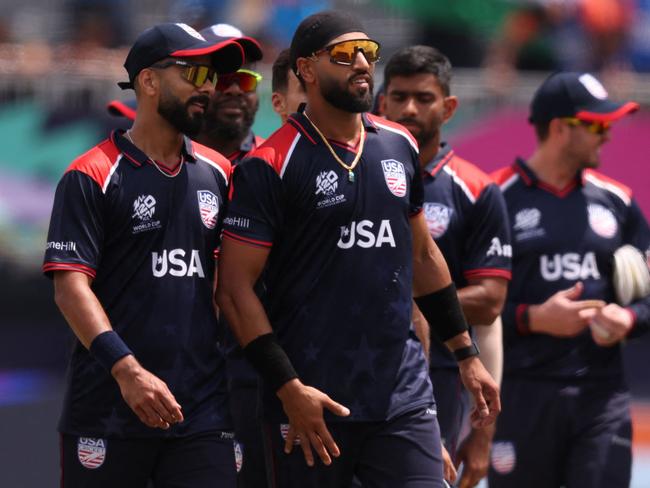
x=225 y=32
x=580 y=95
x=179 y=40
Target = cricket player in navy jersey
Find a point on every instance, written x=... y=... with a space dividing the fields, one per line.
x=288 y=93
x=467 y=218
x=131 y=245
x=330 y=208
x=566 y=419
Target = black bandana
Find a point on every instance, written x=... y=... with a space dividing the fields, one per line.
x=317 y=30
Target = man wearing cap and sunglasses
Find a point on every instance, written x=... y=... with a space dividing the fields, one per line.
x=233 y=106
x=330 y=207
x=566 y=419
x=134 y=229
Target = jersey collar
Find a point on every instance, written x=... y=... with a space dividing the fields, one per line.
x=137 y=158
x=529 y=178
x=300 y=122
x=443 y=156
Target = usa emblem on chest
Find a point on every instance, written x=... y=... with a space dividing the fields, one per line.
x=395 y=176
x=208 y=208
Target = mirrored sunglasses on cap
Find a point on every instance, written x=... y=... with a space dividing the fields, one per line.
x=345 y=52
x=592 y=126
x=246 y=79
x=197 y=74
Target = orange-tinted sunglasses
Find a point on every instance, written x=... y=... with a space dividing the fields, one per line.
x=345 y=52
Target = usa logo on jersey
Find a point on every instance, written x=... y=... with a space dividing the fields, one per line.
x=437 y=217
x=91 y=452
x=208 y=208
x=395 y=176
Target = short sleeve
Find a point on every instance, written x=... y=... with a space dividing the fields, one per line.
x=488 y=250
x=256 y=200
x=76 y=232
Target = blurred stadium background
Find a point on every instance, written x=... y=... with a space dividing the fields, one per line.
x=60 y=60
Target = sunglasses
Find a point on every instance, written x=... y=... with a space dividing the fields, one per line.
x=345 y=52
x=247 y=80
x=594 y=127
x=197 y=74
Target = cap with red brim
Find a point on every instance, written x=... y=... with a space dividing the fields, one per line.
x=179 y=40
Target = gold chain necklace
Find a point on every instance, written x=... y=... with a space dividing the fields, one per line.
x=357 y=157
x=180 y=165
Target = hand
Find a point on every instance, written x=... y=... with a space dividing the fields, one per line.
x=146 y=394
x=448 y=468
x=563 y=315
x=483 y=389
x=304 y=407
x=611 y=324
x=474 y=453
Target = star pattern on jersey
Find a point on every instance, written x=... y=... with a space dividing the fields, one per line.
x=311 y=352
x=362 y=359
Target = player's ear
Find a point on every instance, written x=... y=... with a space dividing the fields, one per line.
x=450 y=106
x=306 y=69
x=148 y=81
x=279 y=103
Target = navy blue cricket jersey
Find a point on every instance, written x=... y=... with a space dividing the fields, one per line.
x=560 y=237
x=147 y=236
x=339 y=274
x=467 y=217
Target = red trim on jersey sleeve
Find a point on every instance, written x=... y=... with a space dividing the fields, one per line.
x=246 y=240
x=488 y=273
x=275 y=149
x=304 y=132
x=607 y=180
x=51 y=266
x=522 y=327
x=474 y=178
x=97 y=162
x=259 y=141
x=382 y=121
x=502 y=175
x=215 y=156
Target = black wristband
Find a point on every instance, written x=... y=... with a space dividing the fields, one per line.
x=108 y=348
x=467 y=352
x=442 y=310
x=269 y=359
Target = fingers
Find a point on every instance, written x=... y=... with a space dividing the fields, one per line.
x=574 y=292
x=335 y=408
x=150 y=417
x=317 y=444
x=290 y=440
x=306 y=450
x=587 y=304
x=329 y=442
x=171 y=407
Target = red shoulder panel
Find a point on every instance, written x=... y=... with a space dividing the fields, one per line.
x=275 y=149
x=474 y=178
x=214 y=156
x=502 y=175
x=608 y=181
x=379 y=121
x=97 y=162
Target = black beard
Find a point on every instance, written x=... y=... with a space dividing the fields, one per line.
x=423 y=137
x=217 y=127
x=340 y=96
x=177 y=114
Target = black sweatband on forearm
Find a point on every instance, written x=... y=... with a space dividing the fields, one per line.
x=269 y=359
x=108 y=348
x=442 y=310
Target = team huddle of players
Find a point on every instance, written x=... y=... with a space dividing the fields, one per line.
x=338 y=315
